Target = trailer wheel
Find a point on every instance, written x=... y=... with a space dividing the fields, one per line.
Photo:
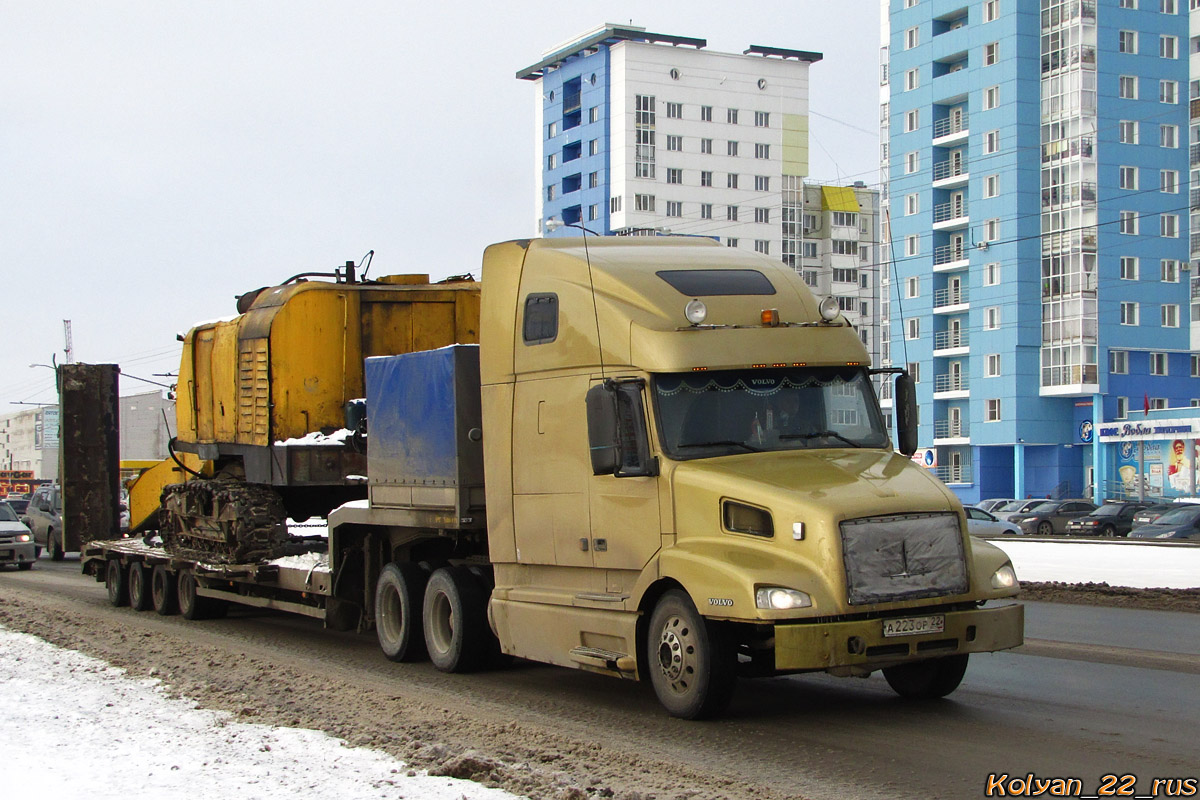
x=139 y=587
x=55 y=547
x=190 y=606
x=455 y=613
x=399 y=593
x=927 y=680
x=691 y=664
x=162 y=591
x=114 y=582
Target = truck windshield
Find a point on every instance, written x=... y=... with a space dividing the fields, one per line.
x=705 y=414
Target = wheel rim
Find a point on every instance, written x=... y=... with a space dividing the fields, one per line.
x=441 y=618
x=390 y=614
x=676 y=654
x=137 y=587
x=1045 y=529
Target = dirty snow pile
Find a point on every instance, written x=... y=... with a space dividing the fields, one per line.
x=76 y=727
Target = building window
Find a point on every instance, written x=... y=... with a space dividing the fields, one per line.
x=643 y=202
x=593 y=212
x=762 y=215
x=1167 y=6
x=912 y=120
x=991 y=274
x=1127 y=87
x=706 y=113
x=594 y=114
x=1118 y=362
x=593 y=180
x=1168 y=225
x=993 y=365
x=675 y=144
x=762 y=183
x=914 y=328
x=1127 y=41
x=731 y=241
x=762 y=119
x=762 y=246
x=1168 y=47
x=706 y=178
x=674 y=208
x=912 y=287
x=674 y=175
x=912 y=245
x=731 y=213
x=674 y=110
x=594 y=147
x=1170 y=315
x=731 y=116
x=1168 y=91
x=551 y=192
x=643 y=110
x=991 y=10
x=845 y=275
x=912 y=204
x=762 y=150
x=1168 y=181
x=614 y=205
x=1129 y=3
x=1122 y=408
x=991 y=142
x=843 y=247
x=706 y=147
x=731 y=181
x=1129 y=313
x=914 y=369
x=1128 y=131
x=1170 y=270
x=991 y=186
x=991 y=318
x=991 y=54
x=912 y=38
x=1128 y=223
x=991 y=97
x=912 y=162
x=552 y=161
x=552 y=130
x=912 y=80
x=706 y=211
x=1158 y=363
x=1158 y=403
x=731 y=148
x=1128 y=178
x=993 y=410
x=991 y=230
x=1129 y=268
x=1168 y=136
x=1195 y=366
x=810 y=251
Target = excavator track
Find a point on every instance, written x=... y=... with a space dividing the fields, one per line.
x=223 y=521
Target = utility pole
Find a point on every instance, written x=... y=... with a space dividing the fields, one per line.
x=70 y=350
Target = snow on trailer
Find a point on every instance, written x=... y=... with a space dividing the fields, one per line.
x=139 y=572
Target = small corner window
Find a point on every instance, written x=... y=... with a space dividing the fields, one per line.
x=541 y=318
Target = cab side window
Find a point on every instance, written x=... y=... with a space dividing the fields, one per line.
x=541 y=318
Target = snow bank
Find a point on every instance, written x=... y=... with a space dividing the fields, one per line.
x=74 y=726
x=338 y=437
x=1138 y=565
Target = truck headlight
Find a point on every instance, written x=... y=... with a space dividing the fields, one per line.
x=777 y=598
x=22 y=537
x=1004 y=578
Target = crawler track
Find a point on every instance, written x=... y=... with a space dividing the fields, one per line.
x=223 y=521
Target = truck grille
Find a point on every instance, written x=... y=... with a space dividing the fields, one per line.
x=903 y=557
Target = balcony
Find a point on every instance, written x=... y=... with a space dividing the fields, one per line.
x=950 y=216
x=950 y=384
x=954 y=473
x=950 y=343
x=1069 y=194
x=944 y=429
x=950 y=126
x=950 y=298
x=951 y=172
x=949 y=257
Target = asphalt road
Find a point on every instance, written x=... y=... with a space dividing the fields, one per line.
x=1098 y=691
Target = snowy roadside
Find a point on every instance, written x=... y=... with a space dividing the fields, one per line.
x=1118 y=563
x=76 y=727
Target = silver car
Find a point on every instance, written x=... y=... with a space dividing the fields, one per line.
x=993 y=504
x=981 y=523
x=1016 y=507
x=16 y=542
x=44 y=518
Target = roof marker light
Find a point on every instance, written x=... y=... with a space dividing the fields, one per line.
x=770 y=317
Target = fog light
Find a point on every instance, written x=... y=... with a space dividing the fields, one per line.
x=778 y=598
x=1004 y=578
x=829 y=309
x=695 y=311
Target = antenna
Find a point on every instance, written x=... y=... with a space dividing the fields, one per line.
x=553 y=224
x=69 y=350
x=896 y=281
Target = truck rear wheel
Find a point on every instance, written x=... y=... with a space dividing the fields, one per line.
x=454 y=613
x=139 y=587
x=114 y=582
x=927 y=680
x=399 y=597
x=162 y=591
x=691 y=664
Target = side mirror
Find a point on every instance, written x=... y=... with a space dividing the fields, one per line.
x=618 y=438
x=43 y=505
x=906 y=413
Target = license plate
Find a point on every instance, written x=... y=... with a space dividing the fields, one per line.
x=911 y=626
x=6 y=554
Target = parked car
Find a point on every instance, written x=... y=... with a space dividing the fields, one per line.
x=1151 y=513
x=44 y=518
x=16 y=543
x=19 y=504
x=1182 y=522
x=981 y=523
x=991 y=505
x=1005 y=511
x=1051 y=516
x=1114 y=518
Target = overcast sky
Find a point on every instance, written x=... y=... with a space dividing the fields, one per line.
x=161 y=157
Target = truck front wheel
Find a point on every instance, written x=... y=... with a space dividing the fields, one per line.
x=455 y=616
x=399 y=593
x=927 y=680
x=691 y=664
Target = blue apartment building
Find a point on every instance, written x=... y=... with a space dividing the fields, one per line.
x=1037 y=193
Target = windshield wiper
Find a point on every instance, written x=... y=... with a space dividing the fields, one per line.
x=748 y=448
x=820 y=435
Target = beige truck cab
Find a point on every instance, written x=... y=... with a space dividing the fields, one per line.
x=689 y=478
